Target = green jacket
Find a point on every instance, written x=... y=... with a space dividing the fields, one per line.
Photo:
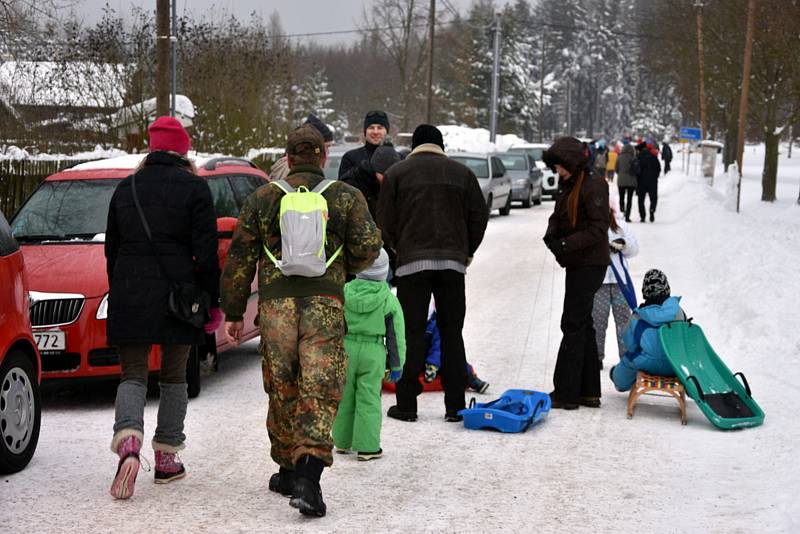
x=349 y=224
x=372 y=313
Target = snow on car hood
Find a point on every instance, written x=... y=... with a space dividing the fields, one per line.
x=66 y=268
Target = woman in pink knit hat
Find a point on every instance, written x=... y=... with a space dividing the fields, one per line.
x=161 y=229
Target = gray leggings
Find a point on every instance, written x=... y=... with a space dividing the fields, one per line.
x=132 y=392
x=609 y=298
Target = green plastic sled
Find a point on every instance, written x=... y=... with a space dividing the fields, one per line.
x=721 y=397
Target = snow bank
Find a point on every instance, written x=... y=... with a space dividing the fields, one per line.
x=463 y=139
x=14 y=152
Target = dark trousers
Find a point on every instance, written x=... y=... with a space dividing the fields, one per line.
x=626 y=200
x=667 y=167
x=652 y=191
x=414 y=292
x=577 y=371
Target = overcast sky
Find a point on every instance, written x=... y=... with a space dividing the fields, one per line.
x=298 y=16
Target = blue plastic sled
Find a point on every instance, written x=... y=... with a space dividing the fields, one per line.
x=514 y=411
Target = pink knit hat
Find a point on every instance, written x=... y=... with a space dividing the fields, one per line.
x=167 y=133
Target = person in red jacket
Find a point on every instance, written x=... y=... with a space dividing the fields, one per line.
x=577 y=234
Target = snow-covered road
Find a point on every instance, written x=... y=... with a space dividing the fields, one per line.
x=591 y=470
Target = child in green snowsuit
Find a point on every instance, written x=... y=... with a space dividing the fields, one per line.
x=375 y=328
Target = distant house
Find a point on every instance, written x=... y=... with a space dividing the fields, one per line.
x=130 y=122
x=59 y=99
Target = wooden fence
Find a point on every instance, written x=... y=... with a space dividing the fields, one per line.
x=19 y=177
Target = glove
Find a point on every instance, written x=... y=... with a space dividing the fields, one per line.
x=557 y=246
x=618 y=245
x=214 y=320
x=394 y=376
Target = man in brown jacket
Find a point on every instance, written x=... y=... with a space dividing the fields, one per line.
x=433 y=215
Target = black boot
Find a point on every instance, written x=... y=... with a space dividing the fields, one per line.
x=307 y=495
x=282 y=482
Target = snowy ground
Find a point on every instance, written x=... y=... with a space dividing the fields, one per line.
x=584 y=471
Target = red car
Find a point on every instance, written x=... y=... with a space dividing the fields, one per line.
x=20 y=368
x=61 y=229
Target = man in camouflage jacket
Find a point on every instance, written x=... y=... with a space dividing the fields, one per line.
x=301 y=319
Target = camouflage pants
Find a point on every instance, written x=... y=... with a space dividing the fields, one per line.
x=304 y=368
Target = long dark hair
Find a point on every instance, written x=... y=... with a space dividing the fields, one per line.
x=574 y=198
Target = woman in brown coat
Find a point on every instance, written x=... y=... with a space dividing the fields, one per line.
x=577 y=236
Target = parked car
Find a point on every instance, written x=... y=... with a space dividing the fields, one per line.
x=549 y=178
x=20 y=366
x=495 y=182
x=526 y=178
x=61 y=229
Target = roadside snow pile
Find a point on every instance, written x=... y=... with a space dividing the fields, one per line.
x=463 y=139
x=269 y=151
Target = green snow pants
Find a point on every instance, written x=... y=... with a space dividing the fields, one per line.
x=358 y=421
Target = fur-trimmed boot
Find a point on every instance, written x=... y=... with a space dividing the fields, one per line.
x=127 y=445
x=168 y=466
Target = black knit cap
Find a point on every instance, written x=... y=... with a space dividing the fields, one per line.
x=322 y=128
x=426 y=133
x=383 y=158
x=655 y=285
x=376 y=117
x=568 y=152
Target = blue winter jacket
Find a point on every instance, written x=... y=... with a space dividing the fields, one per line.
x=648 y=344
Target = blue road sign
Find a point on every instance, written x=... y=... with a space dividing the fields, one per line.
x=691 y=134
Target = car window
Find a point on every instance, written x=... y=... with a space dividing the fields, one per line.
x=243 y=185
x=497 y=166
x=8 y=244
x=479 y=166
x=514 y=162
x=331 y=168
x=225 y=204
x=536 y=153
x=68 y=209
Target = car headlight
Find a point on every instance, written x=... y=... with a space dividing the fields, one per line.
x=102 y=310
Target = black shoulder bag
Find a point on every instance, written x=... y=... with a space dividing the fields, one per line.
x=186 y=302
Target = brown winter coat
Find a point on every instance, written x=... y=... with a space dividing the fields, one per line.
x=585 y=244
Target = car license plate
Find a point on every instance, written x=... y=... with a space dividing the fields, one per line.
x=51 y=340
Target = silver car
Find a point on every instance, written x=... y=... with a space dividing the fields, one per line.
x=526 y=178
x=535 y=151
x=493 y=178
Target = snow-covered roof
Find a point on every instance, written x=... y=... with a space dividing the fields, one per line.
x=72 y=84
x=184 y=112
x=131 y=161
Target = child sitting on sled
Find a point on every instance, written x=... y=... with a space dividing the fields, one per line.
x=433 y=360
x=643 y=350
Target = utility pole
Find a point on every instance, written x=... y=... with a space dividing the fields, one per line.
x=173 y=43
x=748 y=47
x=541 y=95
x=699 y=4
x=162 y=57
x=431 y=25
x=569 y=108
x=495 y=80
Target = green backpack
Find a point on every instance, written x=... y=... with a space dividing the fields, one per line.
x=303 y=222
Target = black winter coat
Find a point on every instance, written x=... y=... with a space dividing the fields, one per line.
x=353 y=157
x=362 y=178
x=179 y=209
x=431 y=208
x=585 y=244
x=649 y=169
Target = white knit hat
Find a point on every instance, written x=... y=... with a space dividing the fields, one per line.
x=378 y=271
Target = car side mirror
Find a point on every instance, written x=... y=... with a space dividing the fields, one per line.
x=225 y=227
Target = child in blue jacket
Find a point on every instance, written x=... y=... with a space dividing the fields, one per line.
x=643 y=350
x=433 y=360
